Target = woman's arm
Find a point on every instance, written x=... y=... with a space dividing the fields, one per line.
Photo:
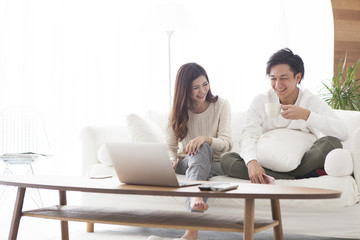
x=223 y=143
x=172 y=143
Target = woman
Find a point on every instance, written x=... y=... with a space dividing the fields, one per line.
x=198 y=131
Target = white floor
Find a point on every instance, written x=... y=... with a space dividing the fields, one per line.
x=41 y=229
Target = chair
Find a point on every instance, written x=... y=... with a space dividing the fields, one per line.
x=23 y=140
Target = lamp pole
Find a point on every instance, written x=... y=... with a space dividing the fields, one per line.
x=169 y=34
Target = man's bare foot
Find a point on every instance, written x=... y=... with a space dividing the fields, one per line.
x=190 y=235
x=197 y=203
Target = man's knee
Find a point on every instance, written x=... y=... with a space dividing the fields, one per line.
x=328 y=143
x=230 y=157
x=335 y=142
x=315 y=157
x=228 y=160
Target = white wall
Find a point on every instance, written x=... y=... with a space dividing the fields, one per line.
x=87 y=62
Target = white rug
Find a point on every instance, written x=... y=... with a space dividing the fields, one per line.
x=43 y=229
x=50 y=230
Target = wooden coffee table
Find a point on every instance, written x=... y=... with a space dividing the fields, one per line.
x=155 y=218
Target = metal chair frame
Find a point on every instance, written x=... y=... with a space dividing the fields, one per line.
x=23 y=140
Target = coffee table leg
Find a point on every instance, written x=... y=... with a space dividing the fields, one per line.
x=249 y=219
x=276 y=215
x=64 y=224
x=15 y=222
x=89 y=227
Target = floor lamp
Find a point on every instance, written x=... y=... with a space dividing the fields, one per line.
x=169 y=18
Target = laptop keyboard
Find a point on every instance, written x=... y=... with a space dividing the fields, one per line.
x=186 y=184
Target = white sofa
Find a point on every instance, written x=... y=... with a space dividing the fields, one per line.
x=331 y=218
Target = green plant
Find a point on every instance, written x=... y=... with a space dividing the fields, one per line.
x=343 y=91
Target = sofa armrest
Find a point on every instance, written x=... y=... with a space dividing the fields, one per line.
x=355 y=151
x=91 y=139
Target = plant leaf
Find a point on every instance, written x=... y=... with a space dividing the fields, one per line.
x=343 y=90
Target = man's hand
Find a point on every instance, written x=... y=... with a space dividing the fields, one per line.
x=293 y=112
x=255 y=172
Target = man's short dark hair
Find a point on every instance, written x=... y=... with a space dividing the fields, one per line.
x=286 y=56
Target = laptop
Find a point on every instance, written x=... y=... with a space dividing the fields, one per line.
x=144 y=164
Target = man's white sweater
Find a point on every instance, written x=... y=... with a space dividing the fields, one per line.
x=321 y=122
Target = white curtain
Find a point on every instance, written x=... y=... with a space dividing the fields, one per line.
x=90 y=62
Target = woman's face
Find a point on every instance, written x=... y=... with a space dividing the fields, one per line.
x=199 y=89
x=284 y=83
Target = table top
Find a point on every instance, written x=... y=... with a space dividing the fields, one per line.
x=112 y=185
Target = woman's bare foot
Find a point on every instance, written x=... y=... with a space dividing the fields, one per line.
x=190 y=235
x=197 y=203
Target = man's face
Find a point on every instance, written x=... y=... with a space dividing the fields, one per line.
x=284 y=83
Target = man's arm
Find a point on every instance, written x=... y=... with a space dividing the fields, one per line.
x=250 y=135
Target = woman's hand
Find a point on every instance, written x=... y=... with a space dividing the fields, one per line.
x=255 y=172
x=174 y=163
x=293 y=112
x=193 y=146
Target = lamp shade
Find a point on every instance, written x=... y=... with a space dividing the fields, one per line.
x=168 y=17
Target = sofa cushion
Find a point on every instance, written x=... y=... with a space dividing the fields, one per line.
x=351 y=119
x=237 y=123
x=104 y=156
x=140 y=130
x=339 y=163
x=282 y=149
x=159 y=119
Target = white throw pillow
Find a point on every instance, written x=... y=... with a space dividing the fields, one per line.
x=282 y=149
x=339 y=163
x=160 y=119
x=104 y=156
x=140 y=130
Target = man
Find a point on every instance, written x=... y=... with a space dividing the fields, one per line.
x=300 y=110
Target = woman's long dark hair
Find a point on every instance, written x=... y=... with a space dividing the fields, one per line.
x=179 y=113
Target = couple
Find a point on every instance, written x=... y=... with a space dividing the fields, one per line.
x=199 y=127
